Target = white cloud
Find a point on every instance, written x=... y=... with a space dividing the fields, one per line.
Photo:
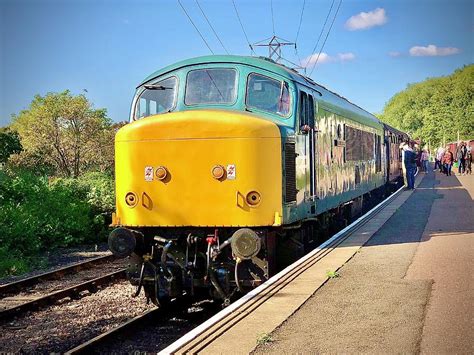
x=394 y=54
x=344 y=57
x=326 y=58
x=365 y=20
x=432 y=51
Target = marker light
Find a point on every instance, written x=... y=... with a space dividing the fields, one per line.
x=253 y=198
x=131 y=199
x=161 y=173
x=218 y=172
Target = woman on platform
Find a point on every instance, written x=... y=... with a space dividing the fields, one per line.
x=448 y=160
x=424 y=160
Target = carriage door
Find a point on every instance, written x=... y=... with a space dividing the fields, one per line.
x=308 y=131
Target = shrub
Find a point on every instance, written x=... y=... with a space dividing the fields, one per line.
x=39 y=214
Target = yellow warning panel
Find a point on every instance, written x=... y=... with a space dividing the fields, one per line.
x=199 y=168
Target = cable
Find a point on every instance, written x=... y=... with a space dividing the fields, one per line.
x=242 y=26
x=301 y=20
x=320 y=34
x=327 y=35
x=273 y=21
x=212 y=28
x=200 y=34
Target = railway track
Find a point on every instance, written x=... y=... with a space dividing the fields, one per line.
x=217 y=324
x=48 y=288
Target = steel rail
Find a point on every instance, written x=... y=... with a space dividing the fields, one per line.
x=193 y=342
x=73 y=292
x=88 y=346
x=20 y=285
x=130 y=326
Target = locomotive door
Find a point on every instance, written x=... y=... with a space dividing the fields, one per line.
x=307 y=130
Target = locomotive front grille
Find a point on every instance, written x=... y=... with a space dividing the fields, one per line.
x=290 y=173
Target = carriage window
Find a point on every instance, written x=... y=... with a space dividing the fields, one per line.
x=359 y=144
x=211 y=86
x=156 y=98
x=268 y=94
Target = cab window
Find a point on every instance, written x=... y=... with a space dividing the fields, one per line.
x=306 y=110
x=211 y=86
x=158 y=97
x=268 y=94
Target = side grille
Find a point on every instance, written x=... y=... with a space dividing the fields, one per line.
x=290 y=172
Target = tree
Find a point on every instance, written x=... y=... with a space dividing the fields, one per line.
x=436 y=109
x=64 y=132
x=9 y=143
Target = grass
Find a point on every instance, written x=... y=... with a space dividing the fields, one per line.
x=264 y=338
x=332 y=274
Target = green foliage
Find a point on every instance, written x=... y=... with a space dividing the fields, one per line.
x=9 y=144
x=40 y=214
x=264 y=338
x=332 y=274
x=436 y=109
x=64 y=135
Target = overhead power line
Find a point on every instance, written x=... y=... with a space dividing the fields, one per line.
x=320 y=34
x=242 y=26
x=273 y=21
x=301 y=20
x=327 y=35
x=200 y=34
x=212 y=28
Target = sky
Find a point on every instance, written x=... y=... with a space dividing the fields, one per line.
x=104 y=48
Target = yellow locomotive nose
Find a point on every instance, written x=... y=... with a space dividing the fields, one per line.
x=198 y=168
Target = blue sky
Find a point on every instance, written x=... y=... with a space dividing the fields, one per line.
x=374 y=49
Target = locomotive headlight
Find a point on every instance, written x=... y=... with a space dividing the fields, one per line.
x=131 y=199
x=161 y=173
x=218 y=172
x=253 y=198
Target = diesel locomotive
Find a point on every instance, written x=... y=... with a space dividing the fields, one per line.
x=231 y=167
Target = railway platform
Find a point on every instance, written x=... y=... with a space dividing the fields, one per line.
x=401 y=283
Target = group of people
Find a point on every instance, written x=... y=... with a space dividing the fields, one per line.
x=444 y=160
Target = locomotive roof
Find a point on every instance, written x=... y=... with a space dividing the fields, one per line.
x=272 y=66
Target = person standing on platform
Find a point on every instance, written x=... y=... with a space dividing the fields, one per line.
x=469 y=162
x=439 y=158
x=424 y=160
x=461 y=158
x=403 y=146
x=410 y=165
x=448 y=160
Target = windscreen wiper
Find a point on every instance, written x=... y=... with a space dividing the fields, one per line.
x=156 y=87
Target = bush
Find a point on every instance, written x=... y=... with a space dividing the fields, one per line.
x=38 y=214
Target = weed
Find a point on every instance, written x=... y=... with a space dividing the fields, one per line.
x=332 y=274
x=264 y=338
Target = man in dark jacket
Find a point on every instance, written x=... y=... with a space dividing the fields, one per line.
x=461 y=158
x=410 y=164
